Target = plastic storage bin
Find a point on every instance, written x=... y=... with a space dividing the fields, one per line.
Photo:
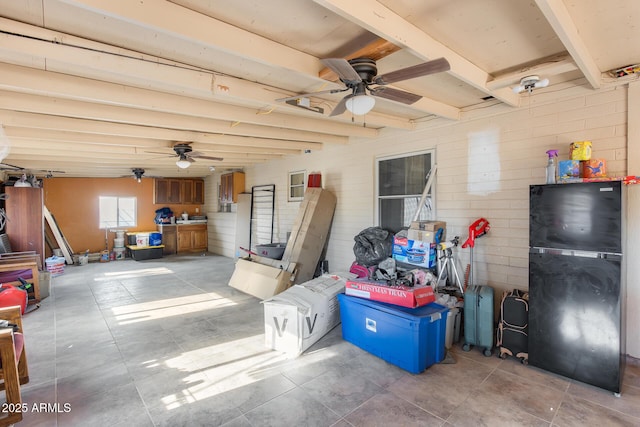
x=411 y=338
x=140 y=253
x=155 y=239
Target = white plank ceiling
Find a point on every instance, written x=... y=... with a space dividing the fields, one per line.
x=98 y=87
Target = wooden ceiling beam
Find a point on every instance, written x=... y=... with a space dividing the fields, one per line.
x=375 y=50
x=13 y=101
x=28 y=80
x=121 y=132
x=560 y=20
x=382 y=21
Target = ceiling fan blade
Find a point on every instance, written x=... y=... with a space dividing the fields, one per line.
x=430 y=67
x=198 y=156
x=7 y=166
x=395 y=95
x=343 y=69
x=306 y=95
x=341 y=107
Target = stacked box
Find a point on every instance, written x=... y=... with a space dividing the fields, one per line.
x=594 y=168
x=416 y=252
x=399 y=295
x=412 y=339
x=428 y=225
x=580 y=150
x=297 y=318
x=569 y=169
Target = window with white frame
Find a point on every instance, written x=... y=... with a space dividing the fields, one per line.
x=401 y=181
x=117 y=212
x=296 y=186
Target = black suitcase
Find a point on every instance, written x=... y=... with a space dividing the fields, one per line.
x=513 y=328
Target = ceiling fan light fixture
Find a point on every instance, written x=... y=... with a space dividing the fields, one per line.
x=183 y=163
x=138 y=172
x=360 y=104
x=529 y=83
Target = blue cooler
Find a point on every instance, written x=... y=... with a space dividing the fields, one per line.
x=411 y=338
x=155 y=239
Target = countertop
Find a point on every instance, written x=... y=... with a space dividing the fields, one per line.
x=191 y=221
x=185 y=222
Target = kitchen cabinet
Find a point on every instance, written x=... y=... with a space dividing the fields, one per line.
x=169 y=238
x=178 y=191
x=198 y=192
x=231 y=184
x=167 y=191
x=192 y=237
x=186 y=195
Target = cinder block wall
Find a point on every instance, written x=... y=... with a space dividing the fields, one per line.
x=486 y=162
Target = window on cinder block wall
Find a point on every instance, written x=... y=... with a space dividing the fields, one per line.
x=296 y=186
x=401 y=180
x=117 y=212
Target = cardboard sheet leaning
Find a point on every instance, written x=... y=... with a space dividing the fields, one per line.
x=298 y=317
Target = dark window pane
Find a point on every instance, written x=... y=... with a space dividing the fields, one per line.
x=402 y=176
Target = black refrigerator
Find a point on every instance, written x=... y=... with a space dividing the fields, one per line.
x=576 y=288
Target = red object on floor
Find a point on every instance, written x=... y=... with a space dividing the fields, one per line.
x=11 y=296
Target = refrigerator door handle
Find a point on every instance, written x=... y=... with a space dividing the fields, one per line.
x=569 y=252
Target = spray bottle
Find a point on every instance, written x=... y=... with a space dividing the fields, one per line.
x=551 y=166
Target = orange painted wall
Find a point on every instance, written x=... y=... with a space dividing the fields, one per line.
x=74 y=204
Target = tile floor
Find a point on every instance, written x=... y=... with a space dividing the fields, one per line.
x=168 y=343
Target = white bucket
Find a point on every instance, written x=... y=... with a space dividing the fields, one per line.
x=120 y=234
x=57 y=252
x=119 y=253
x=118 y=242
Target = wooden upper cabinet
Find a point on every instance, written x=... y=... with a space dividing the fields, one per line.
x=178 y=191
x=198 y=192
x=175 y=191
x=187 y=192
x=231 y=184
x=161 y=191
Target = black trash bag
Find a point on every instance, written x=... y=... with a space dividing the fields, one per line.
x=373 y=245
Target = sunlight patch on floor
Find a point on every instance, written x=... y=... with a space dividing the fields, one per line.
x=227 y=366
x=167 y=308
x=132 y=274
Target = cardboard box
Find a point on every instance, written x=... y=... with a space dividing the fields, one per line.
x=298 y=317
x=398 y=295
x=412 y=339
x=422 y=235
x=594 y=168
x=428 y=225
x=260 y=280
x=415 y=252
x=580 y=150
x=569 y=169
x=309 y=233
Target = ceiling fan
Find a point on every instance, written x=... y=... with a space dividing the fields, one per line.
x=186 y=155
x=14 y=168
x=137 y=173
x=360 y=75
